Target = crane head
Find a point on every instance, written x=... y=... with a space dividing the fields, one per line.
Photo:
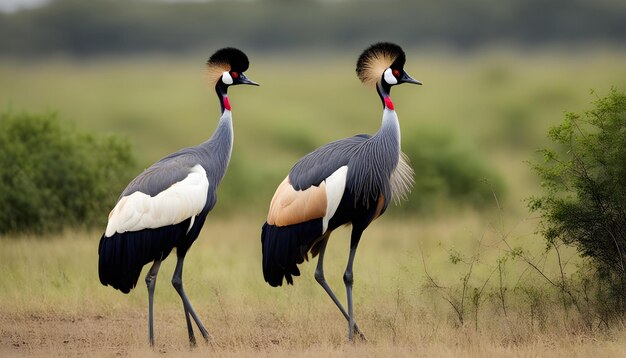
x=383 y=63
x=226 y=67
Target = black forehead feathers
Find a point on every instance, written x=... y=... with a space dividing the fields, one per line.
x=235 y=58
x=400 y=60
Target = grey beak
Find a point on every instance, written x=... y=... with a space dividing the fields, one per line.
x=408 y=79
x=246 y=81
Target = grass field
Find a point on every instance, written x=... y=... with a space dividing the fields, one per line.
x=499 y=104
x=53 y=304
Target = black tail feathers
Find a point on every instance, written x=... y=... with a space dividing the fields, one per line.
x=285 y=247
x=122 y=256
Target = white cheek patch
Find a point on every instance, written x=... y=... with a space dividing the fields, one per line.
x=335 y=186
x=389 y=77
x=181 y=201
x=226 y=78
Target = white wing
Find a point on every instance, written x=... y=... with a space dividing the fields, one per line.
x=182 y=200
x=335 y=186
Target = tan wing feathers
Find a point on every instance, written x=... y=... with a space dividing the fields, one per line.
x=379 y=206
x=290 y=206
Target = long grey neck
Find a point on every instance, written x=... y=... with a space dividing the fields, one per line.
x=223 y=135
x=380 y=156
x=388 y=136
x=215 y=152
x=219 y=147
x=387 y=139
x=389 y=132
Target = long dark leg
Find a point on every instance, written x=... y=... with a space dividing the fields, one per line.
x=192 y=337
x=348 y=280
x=319 y=277
x=177 y=282
x=151 y=283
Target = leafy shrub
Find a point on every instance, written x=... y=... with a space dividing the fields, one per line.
x=584 y=182
x=52 y=176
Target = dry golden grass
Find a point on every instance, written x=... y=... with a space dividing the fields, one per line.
x=52 y=304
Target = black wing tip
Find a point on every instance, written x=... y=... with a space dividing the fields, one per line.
x=283 y=249
x=276 y=280
x=376 y=50
x=122 y=277
x=235 y=58
x=121 y=257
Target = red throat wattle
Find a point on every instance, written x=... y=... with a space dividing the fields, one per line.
x=227 y=103
x=388 y=103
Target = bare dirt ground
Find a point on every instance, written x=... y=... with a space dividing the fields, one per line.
x=124 y=334
x=64 y=335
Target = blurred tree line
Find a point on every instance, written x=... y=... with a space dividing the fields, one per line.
x=116 y=26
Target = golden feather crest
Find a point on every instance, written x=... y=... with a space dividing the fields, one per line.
x=376 y=59
x=215 y=71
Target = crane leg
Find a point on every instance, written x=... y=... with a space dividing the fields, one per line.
x=348 y=279
x=319 y=277
x=192 y=337
x=177 y=282
x=151 y=283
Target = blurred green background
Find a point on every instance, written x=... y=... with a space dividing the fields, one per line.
x=496 y=75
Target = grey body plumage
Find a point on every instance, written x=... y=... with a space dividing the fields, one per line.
x=349 y=181
x=166 y=205
x=372 y=162
x=213 y=155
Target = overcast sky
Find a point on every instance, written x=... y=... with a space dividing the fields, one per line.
x=14 y=5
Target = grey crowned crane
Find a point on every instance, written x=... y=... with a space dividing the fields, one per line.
x=166 y=205
x=349 y=181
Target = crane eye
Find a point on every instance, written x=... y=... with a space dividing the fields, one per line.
x=396 y=73
x=234 y=75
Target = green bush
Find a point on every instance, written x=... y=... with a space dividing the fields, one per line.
x=447 y=171
x=584 y=183
x=51 y=176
